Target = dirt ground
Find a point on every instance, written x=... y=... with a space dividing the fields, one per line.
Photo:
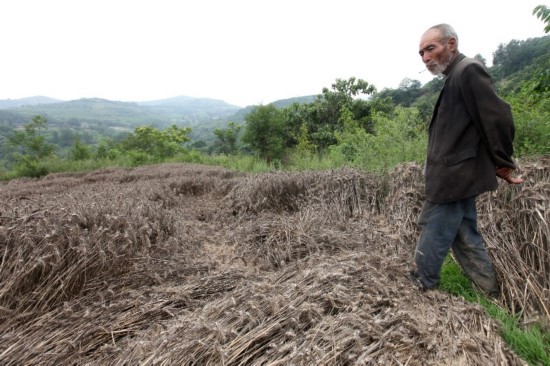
x=191 y=265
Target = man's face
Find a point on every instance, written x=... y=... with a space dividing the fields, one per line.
x=435 y=53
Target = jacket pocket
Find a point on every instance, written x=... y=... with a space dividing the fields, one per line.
x=453 y=159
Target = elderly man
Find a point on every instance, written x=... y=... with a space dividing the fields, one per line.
x=470 y=144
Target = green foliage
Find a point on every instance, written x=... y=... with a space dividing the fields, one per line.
x=108 y=150
x=516 y=55
x=198 y=145
x=425 y=106
x=297 y=118
x=303 y=144
x=542 y=75
x=309 y=126
x=147 y=140
x=479 y=57
x=29 y=143
x=28 y=147
x=264 y=133
x=543 y=13
x=316 y=162
x=326 y=110
x=398 y=137
x=26 y=166
x=138 y=158
x=242 y=163
x=228 y=138
x=102 y=150
x=409 y=90
x=79 y=151
x=532 y=121
x=352 y=139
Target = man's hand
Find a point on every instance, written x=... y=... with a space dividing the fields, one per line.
x=506 y=174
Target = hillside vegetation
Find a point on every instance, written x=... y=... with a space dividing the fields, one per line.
x=351 y=123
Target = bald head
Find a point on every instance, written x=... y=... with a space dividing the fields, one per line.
x=438 y=48
x=445 y=31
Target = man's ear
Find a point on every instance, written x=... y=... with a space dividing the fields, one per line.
x=452 y=44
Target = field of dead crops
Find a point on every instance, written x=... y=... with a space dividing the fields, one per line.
x=191 y=265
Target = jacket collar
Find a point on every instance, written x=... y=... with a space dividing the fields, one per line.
x=451 y=67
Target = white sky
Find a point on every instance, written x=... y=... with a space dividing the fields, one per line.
x=242 y=51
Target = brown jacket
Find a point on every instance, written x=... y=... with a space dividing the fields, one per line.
x=470 y=135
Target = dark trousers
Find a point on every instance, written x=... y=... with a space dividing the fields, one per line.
x=453 y=226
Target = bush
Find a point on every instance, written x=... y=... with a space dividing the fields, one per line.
x=137 y=158
x=27 y=167
x=399 y=137
x=79 y=151
x=532 y=121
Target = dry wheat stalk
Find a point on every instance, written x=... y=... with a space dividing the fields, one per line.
x=184 y=264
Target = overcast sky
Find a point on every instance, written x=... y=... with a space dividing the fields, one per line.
x=242 y=51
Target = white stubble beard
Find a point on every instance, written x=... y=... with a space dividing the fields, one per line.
x=441 y=67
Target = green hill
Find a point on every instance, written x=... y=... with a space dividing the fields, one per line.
x=88 y=111
x=14 y=103
x=93 y=119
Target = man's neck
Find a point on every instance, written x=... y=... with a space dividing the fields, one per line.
x=454 y=55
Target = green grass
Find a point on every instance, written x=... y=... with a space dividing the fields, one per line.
x=531 y=343
x=241 y=163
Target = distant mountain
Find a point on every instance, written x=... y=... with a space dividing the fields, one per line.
x=180 y=110
x=183 y=105
x=93 y=118
x=183 y=111
x=90 y=110
x=283 y=103
x=14 y=103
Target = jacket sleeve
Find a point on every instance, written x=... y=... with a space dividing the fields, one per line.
x=491 y=115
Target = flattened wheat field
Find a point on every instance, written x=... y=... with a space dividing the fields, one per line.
x=179 y=264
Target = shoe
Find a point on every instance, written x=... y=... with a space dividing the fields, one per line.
x=415 y=279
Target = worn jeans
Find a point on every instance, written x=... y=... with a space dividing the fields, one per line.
x=452 y=226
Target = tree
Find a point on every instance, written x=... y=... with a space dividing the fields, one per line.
x=79 y=151
x=29 y=143
x=297 y=117
x=107 y=149
x=480 y=58
x=161 y=144
x=543 y=13
x=405 y=95
x=516 y=55
x=328 y=107
x=65 y=137
x=228 y=138
x=350 y=138
x=29 y=148
x=264 y=132
x=543 y=75
x=199 y=145
x=303 y=145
